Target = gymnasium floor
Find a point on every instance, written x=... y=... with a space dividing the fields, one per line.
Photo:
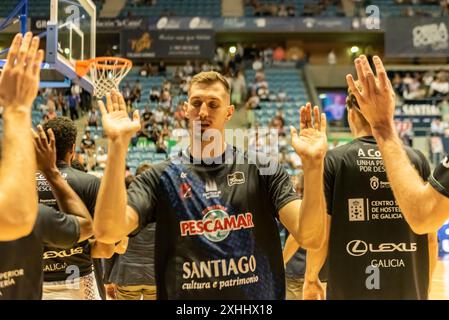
x=440 y=283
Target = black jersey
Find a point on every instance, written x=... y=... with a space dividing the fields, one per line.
x=373 y=253
x=56 y=260
x=21 y=274
x=440 y=177
x=216 y=227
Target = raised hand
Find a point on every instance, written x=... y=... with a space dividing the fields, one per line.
x=116 y=123
x=375 y=97
x=311 y=143
x=45 y=151
x=19 y=80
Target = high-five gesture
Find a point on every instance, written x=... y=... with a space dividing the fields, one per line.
x=19 y=80
x=45 y=149
x=116 y=123
x=375 y=97
x=311 y=143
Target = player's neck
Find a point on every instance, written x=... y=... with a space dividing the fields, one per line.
x=362 y=132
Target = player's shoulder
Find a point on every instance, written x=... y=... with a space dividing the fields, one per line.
x=73 y=174
x=415 y=155
x=340 y=151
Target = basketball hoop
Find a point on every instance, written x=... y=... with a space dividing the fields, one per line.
x=106 y=73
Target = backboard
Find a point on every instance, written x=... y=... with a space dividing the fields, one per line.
x=71 y=36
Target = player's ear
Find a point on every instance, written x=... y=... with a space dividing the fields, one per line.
x=73 y=152
x=230 y=112
x=185 y=107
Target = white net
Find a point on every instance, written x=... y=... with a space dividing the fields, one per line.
x=107 y=74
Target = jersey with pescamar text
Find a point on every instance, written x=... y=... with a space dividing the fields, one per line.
x=440 y=177
x=216 y=231
x=373 y=252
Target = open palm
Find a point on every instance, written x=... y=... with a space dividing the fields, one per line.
x=311 y=143
x=115 y=119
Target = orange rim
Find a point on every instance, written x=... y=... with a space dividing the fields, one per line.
x=82 y=66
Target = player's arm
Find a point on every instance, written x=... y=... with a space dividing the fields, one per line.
x=424 y=208
x=67 y=199
x=305 y=220
x=113 y=219
x=433 y=255
x=290 y=248
x=106 y=250
x=19 y=81
x=315 y=259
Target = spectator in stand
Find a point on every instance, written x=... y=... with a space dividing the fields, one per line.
x=166 y=86
x=137 y=90
x=279 y=54
x=428 y=77
x=165 y=132
x=282 y=11
x=278 y=123
x=101 y=158
x=159 y=115
x=440 y=86
x=257 y=64
x=188 y=68
x=127 y=91
x=179 y=114
x=162 y=69
x=282 y=95
x=291 y=10
x=178 y=75
x=155 y=94
x=185 y=83
x=161 y=145
x=397 y=84
x=51 y=102
x=332 y=58
x=88 y=148
x=238 y=90
x=444 y=107
x=253 y=101
x=93 y=118
x=144 y=70
x=165 y=102
x=437 y=127
x=51 y=114
x=415 y=88
x=268 y=56
x=61 y=104
x=87 y=143
x=73 y=107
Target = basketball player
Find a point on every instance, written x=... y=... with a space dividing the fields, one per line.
x=216 y=234
x=372 y=251
x=24 y=226
x=19 y=81
x=82 y=285
x=424 y=205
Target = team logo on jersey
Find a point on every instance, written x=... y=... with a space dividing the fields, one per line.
x=216 y=224
x=445 y=162
x=358 y=248
x=211 y=190
x=183 y=175
x=185 y=191
x=356 y=209
x=374 y=182
x=236 y=178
